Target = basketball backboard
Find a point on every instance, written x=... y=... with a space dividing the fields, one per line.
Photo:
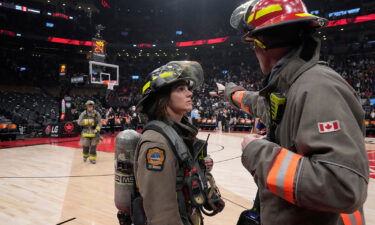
x=102 y=73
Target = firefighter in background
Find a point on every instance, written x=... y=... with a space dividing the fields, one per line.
x=312 y=167
x=90 y=120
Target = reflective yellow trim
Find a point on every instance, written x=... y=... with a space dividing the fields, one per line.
x=305 y=15
x=85 y=122
x=163 y=75
x=85 y=155
x=88 y=135
x=92 y=157
x=166 y=74
x=146 y=86
x=268 y=10
x=251 y=18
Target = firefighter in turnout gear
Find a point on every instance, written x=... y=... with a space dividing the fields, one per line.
x=312 y=167
x=170 y=161
x=90 y=120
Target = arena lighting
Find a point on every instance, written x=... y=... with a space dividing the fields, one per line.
x=18 y=7
x=358 y=19
x=105 y=4
x=8 y=33
x=60 y=15
x=33 y=11
x=21 y=8
x=145 y=45
x=332 y=23
x=202 y=42
x=69 y=41
x=50 y=24
x=344 y=12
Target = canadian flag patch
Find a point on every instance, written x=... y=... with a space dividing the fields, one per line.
x=327 y=127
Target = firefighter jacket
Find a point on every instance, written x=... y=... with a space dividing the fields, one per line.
x=316 y=171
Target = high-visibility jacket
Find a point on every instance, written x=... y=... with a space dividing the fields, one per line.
x=317 y=172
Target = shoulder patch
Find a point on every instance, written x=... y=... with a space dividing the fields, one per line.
x=155 y=158
x=327 y=127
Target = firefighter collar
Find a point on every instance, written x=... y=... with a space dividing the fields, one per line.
x=292 y=66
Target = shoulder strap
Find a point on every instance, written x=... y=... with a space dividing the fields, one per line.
x=177 y=145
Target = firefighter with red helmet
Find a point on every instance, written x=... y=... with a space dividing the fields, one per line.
x=312 y=168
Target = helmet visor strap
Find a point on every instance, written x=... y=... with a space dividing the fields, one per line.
x=254 y=41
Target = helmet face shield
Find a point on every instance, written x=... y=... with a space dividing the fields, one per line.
x=238 y=18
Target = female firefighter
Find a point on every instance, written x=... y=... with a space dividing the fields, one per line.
x=171 y=164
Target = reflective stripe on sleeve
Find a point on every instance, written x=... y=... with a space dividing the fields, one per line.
x=237 y=98
x=352 y=219
x=280 y=179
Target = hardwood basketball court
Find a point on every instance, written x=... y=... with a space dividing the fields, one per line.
x=46 y=182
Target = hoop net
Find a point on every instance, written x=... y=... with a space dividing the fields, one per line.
x=110 y=84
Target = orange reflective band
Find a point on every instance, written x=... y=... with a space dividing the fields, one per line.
x=272 y=175
x=345 y=218
x=268 y=10
x=358 y=217
x=236 y=96
x=289 y=178
x=352 y=219
x=281 y=177
x=240 y=96
x=246 y=109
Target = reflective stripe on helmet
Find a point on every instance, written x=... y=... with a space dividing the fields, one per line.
x=166 y=74
x=250 y=19
x=305 y=15
x=163 y=75
x=268 y=10
x=146 y=86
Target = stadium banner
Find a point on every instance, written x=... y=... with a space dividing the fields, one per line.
x=62 y=129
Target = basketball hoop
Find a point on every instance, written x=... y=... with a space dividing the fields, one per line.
x=110 y=84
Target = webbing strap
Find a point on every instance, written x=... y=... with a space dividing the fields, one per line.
x=182 y=207
x=175 y=142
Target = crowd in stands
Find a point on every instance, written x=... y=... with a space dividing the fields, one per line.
x=30 y=112
x=37 y=110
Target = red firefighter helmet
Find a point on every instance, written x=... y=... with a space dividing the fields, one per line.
x=261 y=15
